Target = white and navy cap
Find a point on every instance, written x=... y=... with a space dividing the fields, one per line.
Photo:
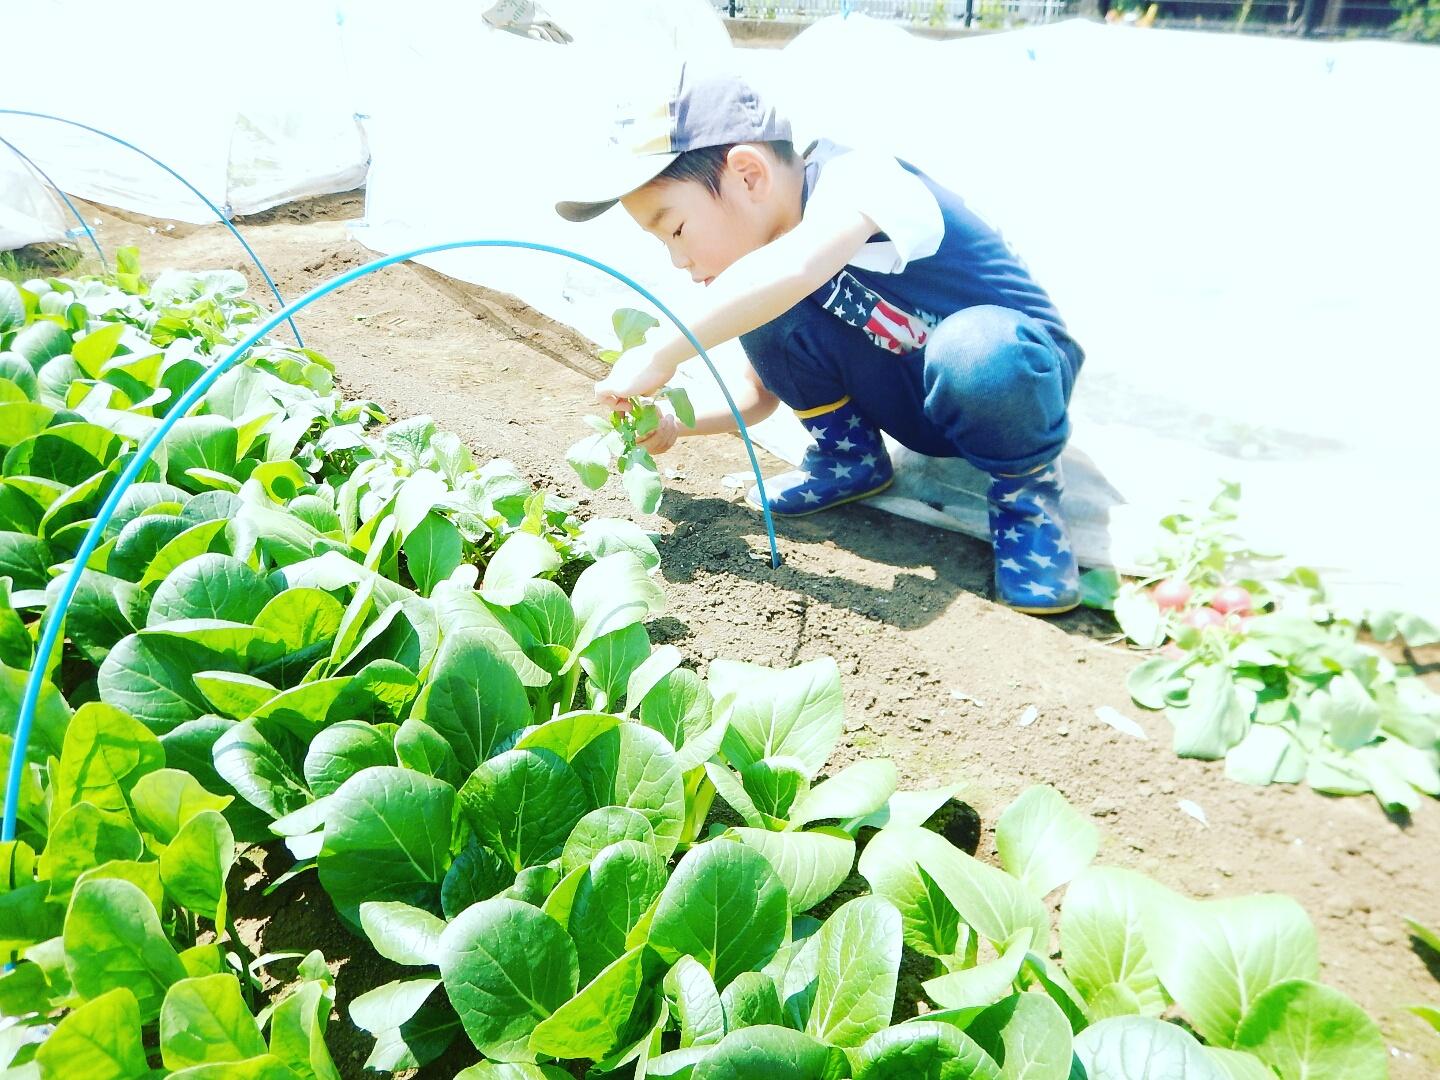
x=704 y=110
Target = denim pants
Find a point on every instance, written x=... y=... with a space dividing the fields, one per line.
x=990 y=385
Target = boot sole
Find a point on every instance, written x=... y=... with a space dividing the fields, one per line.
x=1061 y=610
x=820 y=509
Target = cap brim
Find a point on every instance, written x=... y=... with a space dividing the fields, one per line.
x=610 y=180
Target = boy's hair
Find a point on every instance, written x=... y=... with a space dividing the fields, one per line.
x=707 y=164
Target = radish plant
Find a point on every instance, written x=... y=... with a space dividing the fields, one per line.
x=1267 y=675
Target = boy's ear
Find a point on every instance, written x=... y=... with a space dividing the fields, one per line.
x=752 y=167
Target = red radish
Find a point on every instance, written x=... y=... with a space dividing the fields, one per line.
x=1232 y=600
x=1202 y=618
x=1240 y=623
x=1172 y=594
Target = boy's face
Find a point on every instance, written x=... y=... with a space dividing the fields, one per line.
x=705 y=234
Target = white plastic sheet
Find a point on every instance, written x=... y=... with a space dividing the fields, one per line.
x=1223 y=220
x=249 y=105
x=29 y=213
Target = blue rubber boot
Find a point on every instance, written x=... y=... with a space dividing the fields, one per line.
x=847 y=462
x=1035 y=570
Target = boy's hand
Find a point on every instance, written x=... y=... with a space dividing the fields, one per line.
x=637 y=373
x=666 y=432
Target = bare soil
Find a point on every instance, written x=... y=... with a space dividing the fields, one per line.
x=936 y=675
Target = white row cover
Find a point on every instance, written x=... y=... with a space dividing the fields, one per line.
x=253 y=110
x=29 y=213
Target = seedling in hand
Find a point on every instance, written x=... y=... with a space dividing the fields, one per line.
x=618 y=441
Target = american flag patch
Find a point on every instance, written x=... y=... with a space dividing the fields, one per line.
x=889 y=327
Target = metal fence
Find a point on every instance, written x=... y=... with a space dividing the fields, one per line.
x=938 y=13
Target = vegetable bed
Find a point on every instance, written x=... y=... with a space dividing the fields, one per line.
x=436 y=689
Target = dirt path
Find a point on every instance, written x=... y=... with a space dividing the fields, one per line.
x=904 y=609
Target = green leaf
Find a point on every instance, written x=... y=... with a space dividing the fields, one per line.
x=860 y=949
x=297 y=1025
x=250 y=762
x=590 y=458
x=206 y=1020
x=640 y=477
x=606 y=536
x=165 y=799
x=340 y=751
x=1151 y=682
x=52 y=714
x=599 y=829
x=99 y=1040
x=775 y=1053
x=609 y=662
x=433 y=550
x=565 y=736
x=520 y=558
x=84 y=837
x=391 y=1005
x=1142 y=1048
x=680 y=402
x=635 y=767
x=750 y=1000
x=931 y=923
x=150 y=678
x=1098 y=589
x=971 y=990
x=594 y=1021
x=612 y=593
x=1237 y=1065
x=105 y=753
x=1043 y=841
x=695 y=1003
x=611 y=897
x=210 y=586
x=420 y=747
x=1142 y=622
x=143 y=875
x=1268 y=754
x=12 y=307
x=210 y=443
x=113 y=938
x=1217 y=956
x=860 y=789
x=811 y=865
x=301 y=617
x=25 y=560
x=264 y=1067
x=196 y=863
x=1102 y=938
x=404 y=934
x=42 y=340
x=476 y=874
x=795 y=713
x=680 y=707
x=208 y=537
x=772 y=785
x=506 y=966
x=725 y=907
x=631 y=326
x=1028 y=1033
x=1345 y=710
x=1300 y=1028
x=474 y=698
x=523 y=804
x=1216 y=717
x=387 y=838
x=989 y=899
x=923 y=1050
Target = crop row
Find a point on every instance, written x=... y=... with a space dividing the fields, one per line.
x=436 y=688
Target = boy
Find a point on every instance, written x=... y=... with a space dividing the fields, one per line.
x=868 y=299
